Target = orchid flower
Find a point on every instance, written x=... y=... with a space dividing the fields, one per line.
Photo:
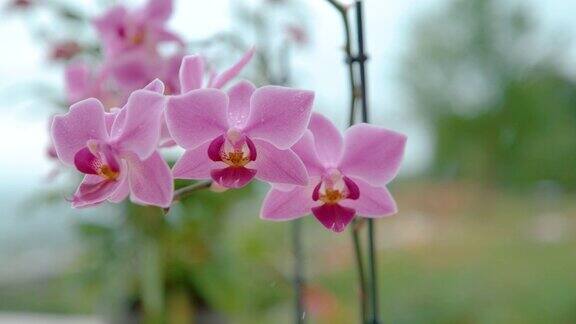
x=236 y=136
x=192 y=73
x=348 y=175
x=116 y=151
x=83 y=82
x=121 y=30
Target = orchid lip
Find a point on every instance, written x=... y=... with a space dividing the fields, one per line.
x=89 y=163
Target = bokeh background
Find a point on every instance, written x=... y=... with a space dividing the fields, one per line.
x=486 y=233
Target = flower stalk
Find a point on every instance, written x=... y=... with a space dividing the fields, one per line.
x=358 y=94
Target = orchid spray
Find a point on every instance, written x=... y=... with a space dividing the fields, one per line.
x=232 y=133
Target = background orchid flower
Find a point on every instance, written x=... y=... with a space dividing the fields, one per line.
x=192 y=72
x=121 y=30
x=84 y=82
x=116 y=151
x=135 y=69
x=232 y=138
x=348 y=175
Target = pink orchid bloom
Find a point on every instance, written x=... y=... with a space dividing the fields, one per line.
x=348 y=175
x=116 y=151
x=121 y=30
x=83 y=82
x=232 y=138
x=193 y=69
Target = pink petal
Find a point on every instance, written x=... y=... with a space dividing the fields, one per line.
x=164 y=35
x=133 y=70
x=70 y=132
x=279 y=166
x=286 y=205
x=191 y=73
x=93 y=190
x=139 y=130
x=306 y=150
x=372 y=153
x=279 y=115
x=165 y=137
x=110 y=117
x=156 y=86
x=151 y=181
x=327 y=139
x=223 y=78
x=158 y=11
x=108 y=26
x=78 y=76
x=197 y=116
x=233 y=177
x=122 y=191
x=372 y=201
x=239 y=106
x=194 y=164
x=334 y=217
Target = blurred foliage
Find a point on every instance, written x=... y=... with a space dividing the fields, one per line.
x=500 y=108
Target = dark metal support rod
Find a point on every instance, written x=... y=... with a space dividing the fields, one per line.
x=371 y=231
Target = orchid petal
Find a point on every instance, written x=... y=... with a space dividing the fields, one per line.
x=279 y=115
x=223 y=78
x=327 y=139
x=282 y=205
x=197 y=116
x=70 y=132
x=156 y=86
x=372 y=201
x=191 y=73
x=239 y=106
x=194 y=164
x=77 y=77
x=279 y=166
x=122 y=191
x=372 y=153
x=150 y=181
x=306 y=150
x=158 y=11
x=139 y=130
x=93 y=190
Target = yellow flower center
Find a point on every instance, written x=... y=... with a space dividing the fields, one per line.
x=236 y=158
x=106 y=172
x=138 y=38
x=332 y=196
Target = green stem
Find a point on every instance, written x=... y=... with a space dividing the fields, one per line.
x=373 y=277
x=298 y=271
x=185 y=191
x=355 y=231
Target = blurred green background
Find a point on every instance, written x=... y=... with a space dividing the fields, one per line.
x=484 y=89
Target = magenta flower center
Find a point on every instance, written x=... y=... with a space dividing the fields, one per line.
x=234 y=149
x=334 y=188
